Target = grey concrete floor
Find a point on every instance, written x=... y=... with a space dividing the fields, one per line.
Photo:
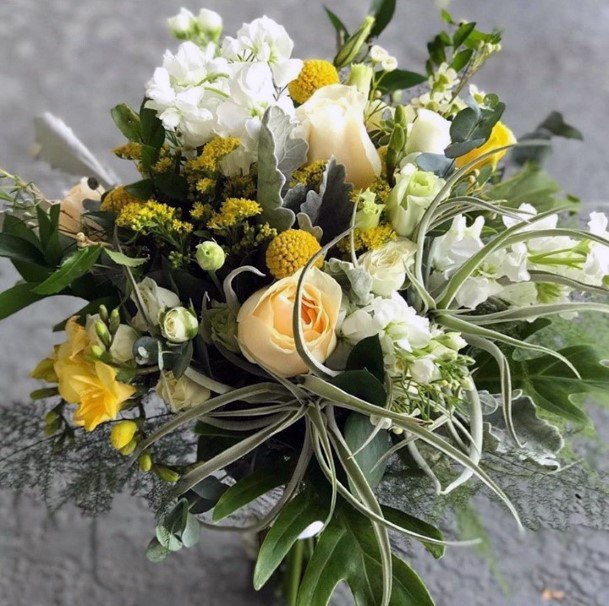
x=77 y=59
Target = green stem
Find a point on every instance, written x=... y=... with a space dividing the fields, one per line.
x=293 y=573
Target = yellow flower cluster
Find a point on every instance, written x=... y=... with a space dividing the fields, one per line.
x=84 y=381
x=310 y=175
x=314 y=74
x=369 y=239
x=205 y=185
x=212 y=155
x=253 y=237
x=152 y=216
x=129 y=151
x=233 y=212
x=116 y=199
x=240 y=186
x=290 y=251
x=201 y=212
x=163 y=165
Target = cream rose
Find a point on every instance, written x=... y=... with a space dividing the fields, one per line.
x=180 y=393
x=429 y=133
x=264 y=323
x=72 y=206
x=387 y=265
x=333 y=124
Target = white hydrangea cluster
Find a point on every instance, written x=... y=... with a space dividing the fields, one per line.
x=212 y=89
x=506 y=273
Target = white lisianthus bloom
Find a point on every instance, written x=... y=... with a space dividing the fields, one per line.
x=187 y=90
x=393 y=320
x=155 y=299
x=412 y=195
x=429 y=133
x=387 y=265
x=596 y=266
x=266 y=41
x=332 y=121
x=123 y=340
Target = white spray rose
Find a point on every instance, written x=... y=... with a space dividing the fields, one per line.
x=429 y=133
x=155 y=299
x=412 y=195
x=180 y=393
x=179 y=325
x=387 y=265
x=333 y=124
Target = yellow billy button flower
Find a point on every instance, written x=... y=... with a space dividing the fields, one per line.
x=122 y=434
x=290 y=251
x=500 y=137
x=314 y=74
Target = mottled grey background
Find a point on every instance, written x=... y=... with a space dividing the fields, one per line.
x=77 y=59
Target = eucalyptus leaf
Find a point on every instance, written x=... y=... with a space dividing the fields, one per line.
x=368 y=355
x=363 y=385
x=155 y=552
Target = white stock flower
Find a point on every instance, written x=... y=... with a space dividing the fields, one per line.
x=412 y=195
x=429 y=133
x=266 y=41
x=378 y=53
x=424 y=370
x=596 y=266
x=209 y=22
x=389 y=64
x=387 y=265
x=457 y=245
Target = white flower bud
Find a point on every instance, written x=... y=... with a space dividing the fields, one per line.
x=210 y=256
x=210 y=22
x=389 y=64
x=378 y=53
x=179 y=325
x=182 y=25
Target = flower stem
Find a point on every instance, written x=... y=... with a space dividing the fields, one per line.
x=293 y=573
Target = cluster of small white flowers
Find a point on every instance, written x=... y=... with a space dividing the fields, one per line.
x=441 y=97
x=506 y=273
x=209 y=90
x=380 y=56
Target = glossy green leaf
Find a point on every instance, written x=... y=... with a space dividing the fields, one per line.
x=249 y=488
x=347 y=551
x=152 y=131
x=141 y=189
x=127 y=121
x=400 y=79
x=462 y=34
x=383 y=11
x=18 y=249
x=359 y=431
x=368 y=355
x=338 y=25
x=461 y=59
x=362 y=384
x=75 y=266
x=302 y=511
x=172 y=185
x=16 y=298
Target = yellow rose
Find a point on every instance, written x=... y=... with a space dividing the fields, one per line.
x=72 y=206
x=333 y=124
x=92 y=385
x=500 y=136
x=265 y=322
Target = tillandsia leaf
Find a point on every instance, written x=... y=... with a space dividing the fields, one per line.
x=424 y=466
x=543 y=277
x=427 y=301
x=343 y=399
x=229 y=293
x=279 y=154
x=205 y=381
x=493 y=206
x=235 y=452
x=544 y=381
x=201 y=410
x=303 y=510
x=63 y=150
x=75 y=266
x=418 y=526
x=16 y=298
x=505 y=379
x=331 y=208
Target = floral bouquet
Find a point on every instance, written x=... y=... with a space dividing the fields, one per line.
x=317 y=282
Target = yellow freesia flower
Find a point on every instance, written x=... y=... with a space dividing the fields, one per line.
x=92 y=385
x=500 y=137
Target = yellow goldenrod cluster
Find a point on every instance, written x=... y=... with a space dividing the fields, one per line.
x=310 y=175
x=129 y=151
x=380 y=186
x=212 y=155
x=233 y=212
x=116 y=199
x=314 y=74
x=369 y=239
x=240 y=186
x=290 y=251
x=205 y=185
x=201 y=212
x=163 y=165
x=152 y=217
x=253 y=237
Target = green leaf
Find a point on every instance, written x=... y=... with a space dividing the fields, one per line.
x=16 y=298
x=363 y=385
x=143 y=189
x=278 y=156
x=383 y=11
x=400 y=79
x=16 y=227
x=18 y=249
x=155 y=552
x=347 y=551
x=546 y=380
x=205 y=495
x=556 y=125
x=462 y=33
x=338 y=25
x=358 y=430
x=127 y=121
x=172 y=185
x=295 y=517
x=75 y=266
x=152 y=131
x=461 y=59
x=122 y=259
x=249 y=489
x=368 y=355
x=405 y=520
x=192 y=532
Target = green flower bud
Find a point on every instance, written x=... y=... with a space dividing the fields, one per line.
x=114 y=321
x=400 y=116
x=179 y=325
x=368 y=214
x=210 y=256
x=166 y=474
x=361 y=77
x=102 y=332
x=397 y=139
x=97 y=351
x=103 y=313
x=145 y=462
x=353 y=45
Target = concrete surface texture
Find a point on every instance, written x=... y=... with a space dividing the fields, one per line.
x=78 y=59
